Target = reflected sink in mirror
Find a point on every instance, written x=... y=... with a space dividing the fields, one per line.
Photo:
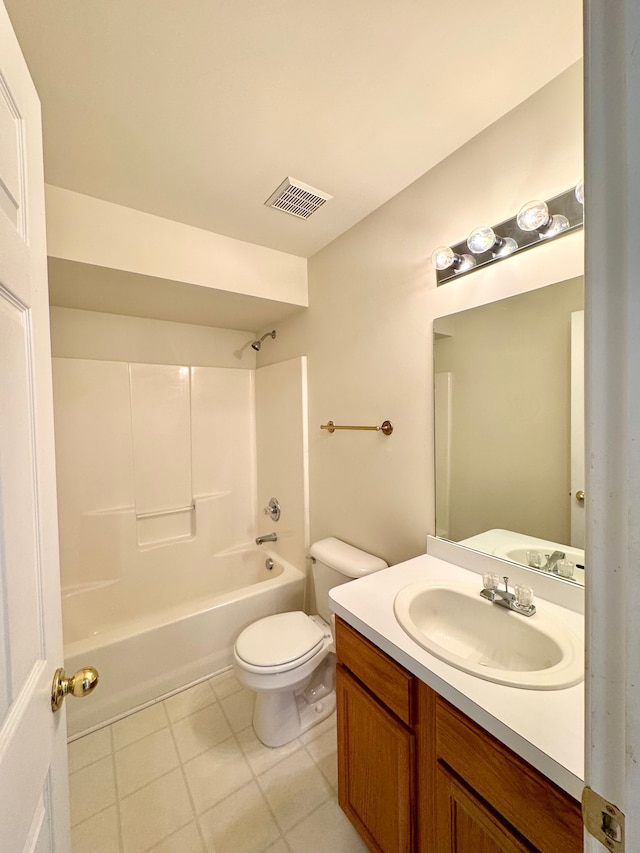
x=531 y=552
x=488 y=641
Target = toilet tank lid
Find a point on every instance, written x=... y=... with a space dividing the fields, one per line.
x=346 y=559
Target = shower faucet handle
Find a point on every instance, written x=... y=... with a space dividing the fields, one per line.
x=273 y=509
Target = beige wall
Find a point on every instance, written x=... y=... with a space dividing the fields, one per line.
x=92 y=231
x=510 y=364
x=372 y=296
x=115 y=337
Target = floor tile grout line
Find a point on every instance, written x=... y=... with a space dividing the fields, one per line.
x=228 y=675
x=195 y=711
x=186 y=784
x=115 y=782
x=331 y=792
x=266 y=802
x=214 y=701
x=157 y=844
x=278 y=824
x=138 y=739
x=90 y=764
x=313 y=758
x=322 y=773
x=275 y=763
x=255 y=774
x=91 y=816
x=256 y=779
x=313 y=811
x=155 y=778
x=173 y=769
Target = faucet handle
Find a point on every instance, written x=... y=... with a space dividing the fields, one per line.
x=524 y=595
x=490 y=580
x=273 y=509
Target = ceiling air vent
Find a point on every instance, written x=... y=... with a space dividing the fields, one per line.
x=297 y=198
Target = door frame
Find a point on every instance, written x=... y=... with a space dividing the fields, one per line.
x=612 y=374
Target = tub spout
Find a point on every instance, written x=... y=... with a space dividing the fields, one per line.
x=268 y=537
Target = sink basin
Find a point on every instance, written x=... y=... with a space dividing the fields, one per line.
x=491 y=642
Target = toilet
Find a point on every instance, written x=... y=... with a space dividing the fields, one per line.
x=289 y=658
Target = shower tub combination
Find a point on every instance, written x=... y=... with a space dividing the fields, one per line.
x=170 y=630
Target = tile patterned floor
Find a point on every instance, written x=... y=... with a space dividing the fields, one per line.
x=188 y=775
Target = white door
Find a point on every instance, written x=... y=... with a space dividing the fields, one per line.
x=33 y=769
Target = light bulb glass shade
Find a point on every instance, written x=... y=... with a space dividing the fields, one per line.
x=580 y=190
x=443 y=258
x=557 y=224
x=481 y=239
x=465 y=263
x=533 y=216
x=508 y=245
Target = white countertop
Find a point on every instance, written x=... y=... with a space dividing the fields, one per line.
x=545 y=727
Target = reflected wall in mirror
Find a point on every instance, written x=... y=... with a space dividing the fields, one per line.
x=510 y=428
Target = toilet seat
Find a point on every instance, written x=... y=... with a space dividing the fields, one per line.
x=279 y=643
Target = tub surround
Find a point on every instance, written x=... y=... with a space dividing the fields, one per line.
x=544 y=727
x=159 y=475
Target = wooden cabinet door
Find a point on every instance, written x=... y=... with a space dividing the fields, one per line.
x=376 y=768
x=465 y=825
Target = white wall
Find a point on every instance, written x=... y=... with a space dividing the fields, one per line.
x=372 y=298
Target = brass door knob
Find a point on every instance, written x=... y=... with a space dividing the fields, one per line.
x=580 y=496
x=81 y=684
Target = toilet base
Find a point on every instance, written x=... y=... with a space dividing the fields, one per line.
x=281 y=716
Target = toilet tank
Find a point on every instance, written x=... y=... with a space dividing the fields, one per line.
x=337 y=562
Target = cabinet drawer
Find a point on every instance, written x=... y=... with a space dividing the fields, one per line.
x=393 y=685
x=544 y=814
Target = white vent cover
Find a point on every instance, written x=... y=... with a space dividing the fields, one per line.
x=297 y=198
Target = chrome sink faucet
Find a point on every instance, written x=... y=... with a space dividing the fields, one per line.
x=268 y=537
x=552 y=559
x=520 y=601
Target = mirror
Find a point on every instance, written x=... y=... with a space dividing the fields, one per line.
x=509 y=412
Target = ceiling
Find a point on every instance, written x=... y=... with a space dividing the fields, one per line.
x=196 y=110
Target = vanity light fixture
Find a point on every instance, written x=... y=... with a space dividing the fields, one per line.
x=485 y=239
x=535 y=216
x=445 y=258
x=537 y=222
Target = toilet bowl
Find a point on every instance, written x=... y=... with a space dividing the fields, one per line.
x=289 y=659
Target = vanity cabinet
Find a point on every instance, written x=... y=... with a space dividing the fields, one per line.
x=415 y=775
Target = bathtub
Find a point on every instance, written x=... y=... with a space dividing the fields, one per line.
x=155 y=635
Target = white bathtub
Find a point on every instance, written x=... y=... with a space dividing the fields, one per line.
x=153 y=636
